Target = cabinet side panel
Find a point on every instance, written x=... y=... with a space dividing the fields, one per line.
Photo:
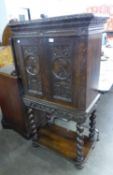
x=79 y=73
x=93 y=66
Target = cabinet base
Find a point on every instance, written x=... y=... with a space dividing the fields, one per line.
x=62 y=141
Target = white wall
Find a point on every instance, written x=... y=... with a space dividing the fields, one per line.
x=3 y=17
x=12 y=8
x=50 y=7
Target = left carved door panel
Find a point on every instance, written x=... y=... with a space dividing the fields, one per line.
x=28 y=57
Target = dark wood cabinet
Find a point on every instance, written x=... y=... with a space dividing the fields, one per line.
x=58 y=62
x=13 y=110
x=58 y=59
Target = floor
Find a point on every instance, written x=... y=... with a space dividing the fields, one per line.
x=17 y=156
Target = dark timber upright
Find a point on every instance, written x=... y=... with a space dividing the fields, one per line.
x=57 y=60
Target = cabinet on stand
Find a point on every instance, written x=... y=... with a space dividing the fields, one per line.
x=57 y=61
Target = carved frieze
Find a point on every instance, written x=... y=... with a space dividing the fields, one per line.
x=55 y=110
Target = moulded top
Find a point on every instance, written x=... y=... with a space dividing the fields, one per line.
x=76 y=20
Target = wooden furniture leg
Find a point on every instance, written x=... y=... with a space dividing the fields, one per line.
x=31 y=120
x=79 y=145
x=92 y=126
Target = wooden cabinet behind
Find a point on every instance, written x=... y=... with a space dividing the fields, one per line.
x=13 y=111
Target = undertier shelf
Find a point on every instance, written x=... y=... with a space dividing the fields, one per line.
x=62 y=141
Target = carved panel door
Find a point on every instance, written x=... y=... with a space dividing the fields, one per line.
x=28 y=60
x=52 y=67
x=61 y=55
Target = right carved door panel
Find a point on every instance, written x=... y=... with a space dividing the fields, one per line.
x=61 y=55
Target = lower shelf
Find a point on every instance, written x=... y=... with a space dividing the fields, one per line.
x=61 y=140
